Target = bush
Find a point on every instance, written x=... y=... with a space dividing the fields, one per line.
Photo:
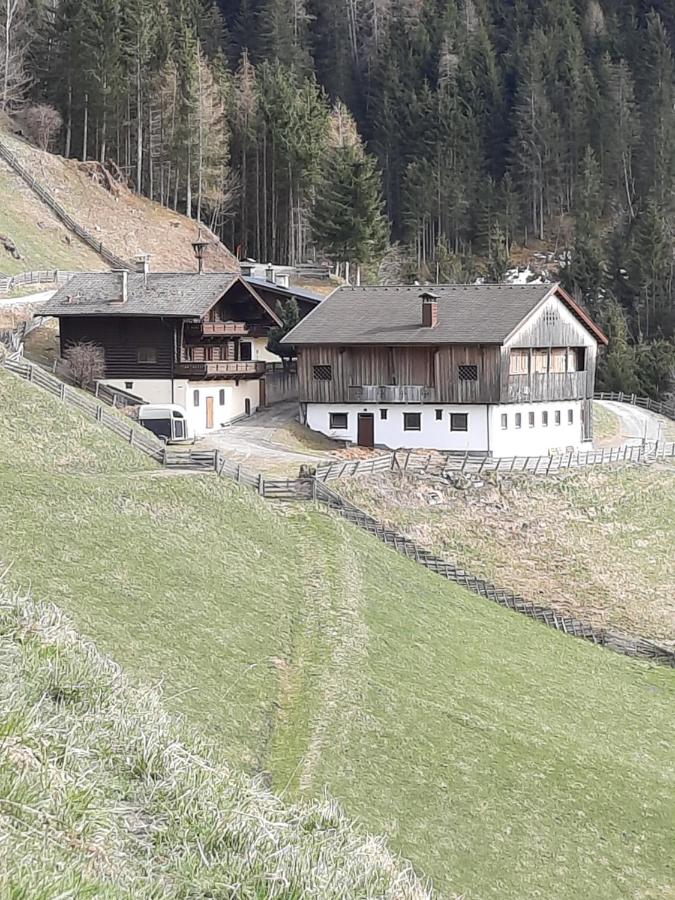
x=42 y=124
x=86 y=363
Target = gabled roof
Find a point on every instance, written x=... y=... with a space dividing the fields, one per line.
x=467 y=314
x=300 y=293
x=180 y=295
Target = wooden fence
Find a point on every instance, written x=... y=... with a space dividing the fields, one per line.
x=41 y=276
x=441 y=464
x=49 y=200
x=663 y=408
x=311 y=488
x=576 y=627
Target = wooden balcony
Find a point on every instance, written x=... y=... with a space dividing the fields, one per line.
x=390 y=393
x=220 y=369
x=542 y=386
x=230 y=329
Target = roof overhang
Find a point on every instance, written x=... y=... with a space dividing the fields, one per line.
x=574 y=308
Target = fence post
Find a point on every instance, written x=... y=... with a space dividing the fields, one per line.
x=131 y=436
x=62 y=390
x=30 y=372
x=238 y=477
x=96 y=389
x=261 y=484
x=216 y=460
x=99 y=413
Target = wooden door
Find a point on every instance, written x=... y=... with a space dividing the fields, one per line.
x=209 y=412
x=366 y=430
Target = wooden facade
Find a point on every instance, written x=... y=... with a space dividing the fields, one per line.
x=551 y=357
x=219 y=345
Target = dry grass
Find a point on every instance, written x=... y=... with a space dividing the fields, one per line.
x=597 y=544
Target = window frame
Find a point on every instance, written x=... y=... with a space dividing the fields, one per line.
x=505 y=421
x=557 y=418
x=195 y=397
x=467 y=372
x=439 y=415
x=544 y=418
x=530 y=420
x=570 y=417
x=326 y=368
x=151 y=351
x=407 y=416
x=518 y=420
x=331 y=421
x=383 y=414
x=221 y=397
x=454 y=422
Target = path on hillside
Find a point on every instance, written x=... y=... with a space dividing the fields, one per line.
x=255 y=442
x=636 y=424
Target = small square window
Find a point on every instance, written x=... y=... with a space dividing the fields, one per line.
x=505 y=421
x=323 y=373
x=146 y=355
x=412 y=421
x=467 y=373
x=439 y=415
x=557 y=417
x=128 y=385
x=570 y=417
x=544 y=419
x=530 y=420
x=195 y=398
x=221 y=396
x=339 y=420
x=459 y=422
x=519 y=420
x=383 y=413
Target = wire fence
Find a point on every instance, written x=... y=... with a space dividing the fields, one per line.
x=49 y=200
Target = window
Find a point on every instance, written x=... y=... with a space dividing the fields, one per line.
x=576 y=359
x=505 y=421
x=221 y=396
x=518 y=362
x=129 y=385
x=323 y=373
x=412 y=421
x=195 y=398
x=530 y=420
x=550 y=316
x=459 y=422
x=383 y=413
x=339 y=420
x=570 y=417
x=519 y=420
x=557 y=417
x=540 y=361
x=544 y=419
x=245 y=352
x=439 y=415
x=146 y=355
x=467 y=373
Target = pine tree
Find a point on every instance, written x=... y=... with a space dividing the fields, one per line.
x=583 y=275
x=348 y=221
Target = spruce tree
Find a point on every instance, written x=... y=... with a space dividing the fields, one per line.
x=348 y=220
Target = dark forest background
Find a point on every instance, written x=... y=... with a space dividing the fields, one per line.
x=428 y=139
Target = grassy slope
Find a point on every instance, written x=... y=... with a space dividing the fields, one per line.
x=506 y=760
x=101 y=794
x=598 y=543
x=41 y=245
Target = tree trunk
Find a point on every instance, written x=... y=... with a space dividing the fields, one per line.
x=85 y=128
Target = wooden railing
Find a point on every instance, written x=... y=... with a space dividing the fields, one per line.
x=49 y=200
x=390 y=393
x=222 y=367
x=661 y=407
x=547 y=386
x=40 y=276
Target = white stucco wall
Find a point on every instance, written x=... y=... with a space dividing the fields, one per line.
x=260 y=351
x=484 y=422
x=389 y=432
x=152 y=390
x=234 y=406
x=156 y=390
x=537 y=439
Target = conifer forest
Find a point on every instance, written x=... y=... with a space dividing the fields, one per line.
x=414 y=139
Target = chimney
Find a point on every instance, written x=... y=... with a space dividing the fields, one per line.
x=123 y=296
x=283 y=279
x=247 y=269
x=429 y=309
x=269 y=273
x=143 y=266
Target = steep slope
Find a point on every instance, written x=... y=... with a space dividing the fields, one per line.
x=505 y=760
x=101 y=794
x=126 y=223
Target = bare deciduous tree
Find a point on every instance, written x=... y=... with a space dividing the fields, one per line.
x=42 y=124
x=13 y=52
x=86 y=363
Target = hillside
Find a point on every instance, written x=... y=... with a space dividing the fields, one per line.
x=126 y=223
x=597 y=544
x=187 y=824
x=504 y=759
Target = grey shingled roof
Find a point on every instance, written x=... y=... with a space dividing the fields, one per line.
x=467 y=314
x=282 y=291
x=166 y=294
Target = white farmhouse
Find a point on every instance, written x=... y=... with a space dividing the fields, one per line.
x=500 y=369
